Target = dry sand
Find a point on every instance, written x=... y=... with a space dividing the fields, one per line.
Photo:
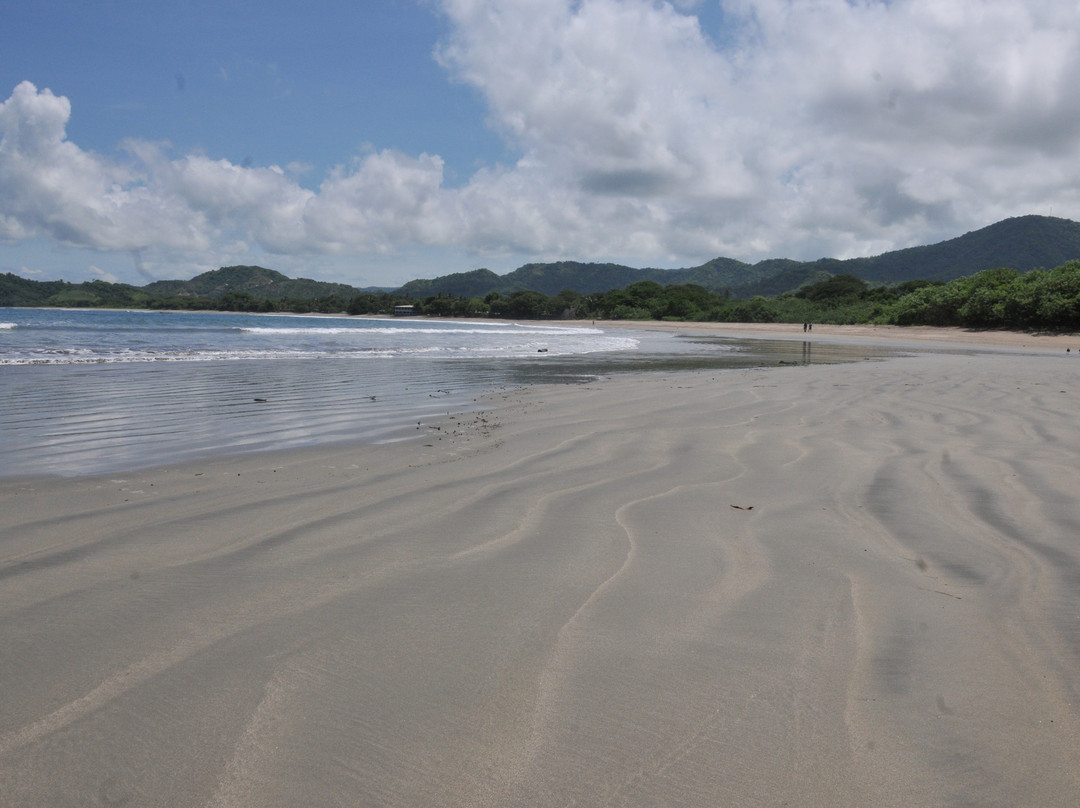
x=850 y=585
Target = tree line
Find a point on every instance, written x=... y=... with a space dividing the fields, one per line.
x=995 y=298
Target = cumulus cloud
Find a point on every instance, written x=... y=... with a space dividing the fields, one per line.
x=801 y=129
x=818 y=125
x=50 y=187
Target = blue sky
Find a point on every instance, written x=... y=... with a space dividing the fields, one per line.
x=261 y=82
x=372 y=143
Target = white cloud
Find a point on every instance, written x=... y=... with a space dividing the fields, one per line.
x=846 y=127
x=50 y=187
x=819 y=127
x=103 y=275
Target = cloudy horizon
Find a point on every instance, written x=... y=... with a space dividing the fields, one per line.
x=497 y=133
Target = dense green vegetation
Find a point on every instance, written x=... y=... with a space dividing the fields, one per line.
x=998 y=298
x=1028 y=241
x=17 y=291
x=839 y=299
x=255 y=281
x=1022 y=242
x=986 y=279
x=995 y=298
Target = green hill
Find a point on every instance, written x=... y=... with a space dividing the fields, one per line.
x=18 y=291
x=258 y=282
x=1022 y=243
x=254 y=281
x=476 y=283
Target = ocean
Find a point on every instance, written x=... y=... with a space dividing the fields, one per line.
x=87 y=391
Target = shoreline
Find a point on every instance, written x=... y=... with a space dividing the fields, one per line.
x=860 y=334
x=887 y=337
x=893 y=334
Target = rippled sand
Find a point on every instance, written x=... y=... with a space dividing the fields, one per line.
x=850 y=585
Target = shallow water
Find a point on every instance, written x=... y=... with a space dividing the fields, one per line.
x=86 y=392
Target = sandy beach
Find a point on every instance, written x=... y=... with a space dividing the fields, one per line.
x=835 y=585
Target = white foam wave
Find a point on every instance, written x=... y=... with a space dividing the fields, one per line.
x=83 y=357
x=8 y=326
x=515 y=330
x=518 y=350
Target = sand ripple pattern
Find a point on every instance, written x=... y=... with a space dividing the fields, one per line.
x=553 y=602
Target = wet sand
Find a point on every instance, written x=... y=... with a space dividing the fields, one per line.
x=847 y=585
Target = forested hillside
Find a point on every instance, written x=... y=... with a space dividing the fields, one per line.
x=255 y=281
x=997 y=281
x=1022 y=243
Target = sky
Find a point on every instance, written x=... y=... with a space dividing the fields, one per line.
x=371 y=143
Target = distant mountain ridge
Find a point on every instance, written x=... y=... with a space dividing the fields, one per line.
x=1022 y=243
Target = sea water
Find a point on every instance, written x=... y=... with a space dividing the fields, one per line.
x=85 y=391
x=97 y=390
